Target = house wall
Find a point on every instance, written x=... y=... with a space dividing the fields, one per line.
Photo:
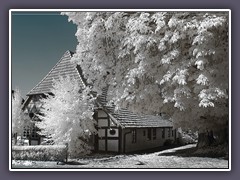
x=32 y=106
x=128 y=139
x=142 y=142
x=108 y=133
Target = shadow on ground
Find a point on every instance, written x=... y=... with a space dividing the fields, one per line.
x=71 y=163
x=211 y=151
x=161 y=148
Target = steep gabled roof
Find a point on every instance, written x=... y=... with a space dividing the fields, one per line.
x=124 y=117
x=129 y=119
x=63 y=67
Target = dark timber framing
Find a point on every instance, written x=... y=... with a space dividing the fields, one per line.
x=107 y=128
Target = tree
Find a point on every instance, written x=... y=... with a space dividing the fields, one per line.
x=67 y=115
x=19 y=119
x=153 y=62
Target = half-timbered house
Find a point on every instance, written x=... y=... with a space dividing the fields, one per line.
x=119 y=131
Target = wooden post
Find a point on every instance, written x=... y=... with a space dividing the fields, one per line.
x=66 y=152
x=15 y=138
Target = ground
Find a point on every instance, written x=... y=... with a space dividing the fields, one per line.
x=163 y=159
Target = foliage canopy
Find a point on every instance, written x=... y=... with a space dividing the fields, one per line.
x=173 y=62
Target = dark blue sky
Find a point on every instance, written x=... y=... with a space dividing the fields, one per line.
x=38 y=42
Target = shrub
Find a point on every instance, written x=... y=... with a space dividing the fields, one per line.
x=187 y=137
x=214 y=151
x=40 y=152
x=168 y=142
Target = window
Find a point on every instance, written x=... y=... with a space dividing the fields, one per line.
x=134 y=136
x=149 y=134
x=168 y=132
x=172 y=132
x=34 y=133
x=154 y=133
x=26 y=132
x=163 y=133
x=144 y=133
x=112 y=132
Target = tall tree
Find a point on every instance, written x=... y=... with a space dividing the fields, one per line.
x=19 y=119
x=67 y=116
x=173 y=62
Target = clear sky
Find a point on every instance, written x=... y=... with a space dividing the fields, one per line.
x=38 y=42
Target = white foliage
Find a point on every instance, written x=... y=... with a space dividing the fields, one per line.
x=68 y=115
x=180 y=77
x=200 y=64
x=203 y=80
x=19 y=119
x=173 y=62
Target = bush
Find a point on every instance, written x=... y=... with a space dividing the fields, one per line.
x=214 y=151
x=40 y=152
x=168 y=142
x=187 y=137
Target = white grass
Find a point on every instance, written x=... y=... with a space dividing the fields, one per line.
x=152 y=160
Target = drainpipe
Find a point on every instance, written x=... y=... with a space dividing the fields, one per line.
x=124 y=143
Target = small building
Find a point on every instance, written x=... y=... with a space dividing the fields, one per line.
x=123 y=131
x=120 y=131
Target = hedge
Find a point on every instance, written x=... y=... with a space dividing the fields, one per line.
x=40 y=153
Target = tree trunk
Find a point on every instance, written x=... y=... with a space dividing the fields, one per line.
x=14 y=139
x=222 y=136
x=209 y=138
x=205 y=139
x=213 y=144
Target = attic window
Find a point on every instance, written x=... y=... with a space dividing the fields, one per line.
x=31 y=115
